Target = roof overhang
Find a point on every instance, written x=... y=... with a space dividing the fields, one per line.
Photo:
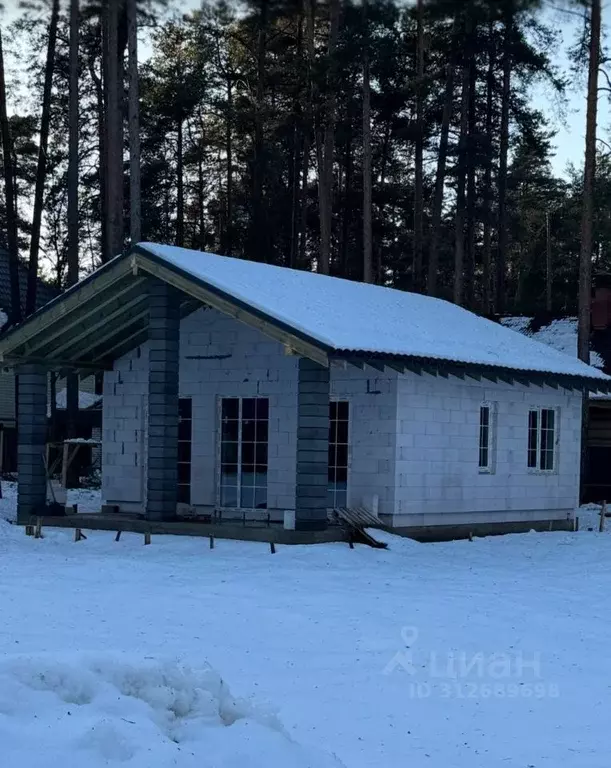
x=105 y=316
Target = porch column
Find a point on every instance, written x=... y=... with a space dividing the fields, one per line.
x=312 y=446
x=31 y=442
x=164 y=339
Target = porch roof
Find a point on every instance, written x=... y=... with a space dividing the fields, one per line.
x=317 y=316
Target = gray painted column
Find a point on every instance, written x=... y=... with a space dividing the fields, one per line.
x=31 y=442
x=312 y=446
x=164 y=340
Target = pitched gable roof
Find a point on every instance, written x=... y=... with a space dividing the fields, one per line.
x=317 y=316
x=347 y=316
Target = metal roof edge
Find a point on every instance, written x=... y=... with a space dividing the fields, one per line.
x=444 y=367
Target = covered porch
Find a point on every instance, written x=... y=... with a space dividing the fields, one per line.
x=137 y=299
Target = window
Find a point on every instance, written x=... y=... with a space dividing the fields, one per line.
x=338 y=454
x=243 y=464
x=542 y=439
x=486 y=438
x=184 y=450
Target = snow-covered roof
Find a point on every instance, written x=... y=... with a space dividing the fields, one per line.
x=345 y=316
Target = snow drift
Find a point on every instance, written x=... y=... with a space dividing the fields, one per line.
x=116 y=710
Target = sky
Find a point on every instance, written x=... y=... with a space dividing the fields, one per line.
x=570 y=140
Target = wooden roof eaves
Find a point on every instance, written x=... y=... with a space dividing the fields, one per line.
x=477 y=372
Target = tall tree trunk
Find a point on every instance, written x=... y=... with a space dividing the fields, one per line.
x=100 y=105
x=258 y=168
x=347 y=207
x=367 y=161
x=135 y=203
x=9 y=189
x=325 y=169
x=41 y=168
x=440 y=176
x=487 y=193
x=180 y=187
x=501 y=260
x=549 y=275
x=459 y=248
x=229 y=162
x=308 y=128
x=201 y=156
x=114 y=132
x=587 y=215
x=419 y=154
x=297 y=146
x=469 y=271
x=72 y=381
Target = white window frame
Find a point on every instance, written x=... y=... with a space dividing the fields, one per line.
x=537 y=469
x=219 y=442
x=343 y=399
x=490 y=467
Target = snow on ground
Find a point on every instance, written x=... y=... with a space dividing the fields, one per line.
x=87 y=500
x=483 y=654
x=110 y=710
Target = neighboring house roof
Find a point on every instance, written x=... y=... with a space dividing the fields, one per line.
x=560 y=333
x=44 y=292
x=317 y=316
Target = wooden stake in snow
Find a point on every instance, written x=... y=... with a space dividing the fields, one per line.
x=79 y=535
x=603 y=512
x=211 y=542
x=38 y=528
x=118 y=536
x=272 y=547
x=147 y=538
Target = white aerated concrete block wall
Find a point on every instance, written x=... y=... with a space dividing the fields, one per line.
x=221 y=357
x=437 y=476
x=414 y=440
x=244 y=364
x=372 y=433
x=123 y=430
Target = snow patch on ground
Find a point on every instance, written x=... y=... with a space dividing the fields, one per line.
x=146 y=713
x=88 y=500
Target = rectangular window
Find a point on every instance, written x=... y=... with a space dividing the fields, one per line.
x=486 y=438
x=244 y=441
x=542 y=439
x=184 y=450
x=338 y=454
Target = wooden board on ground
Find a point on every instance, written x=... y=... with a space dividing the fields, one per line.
x=357 y=519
